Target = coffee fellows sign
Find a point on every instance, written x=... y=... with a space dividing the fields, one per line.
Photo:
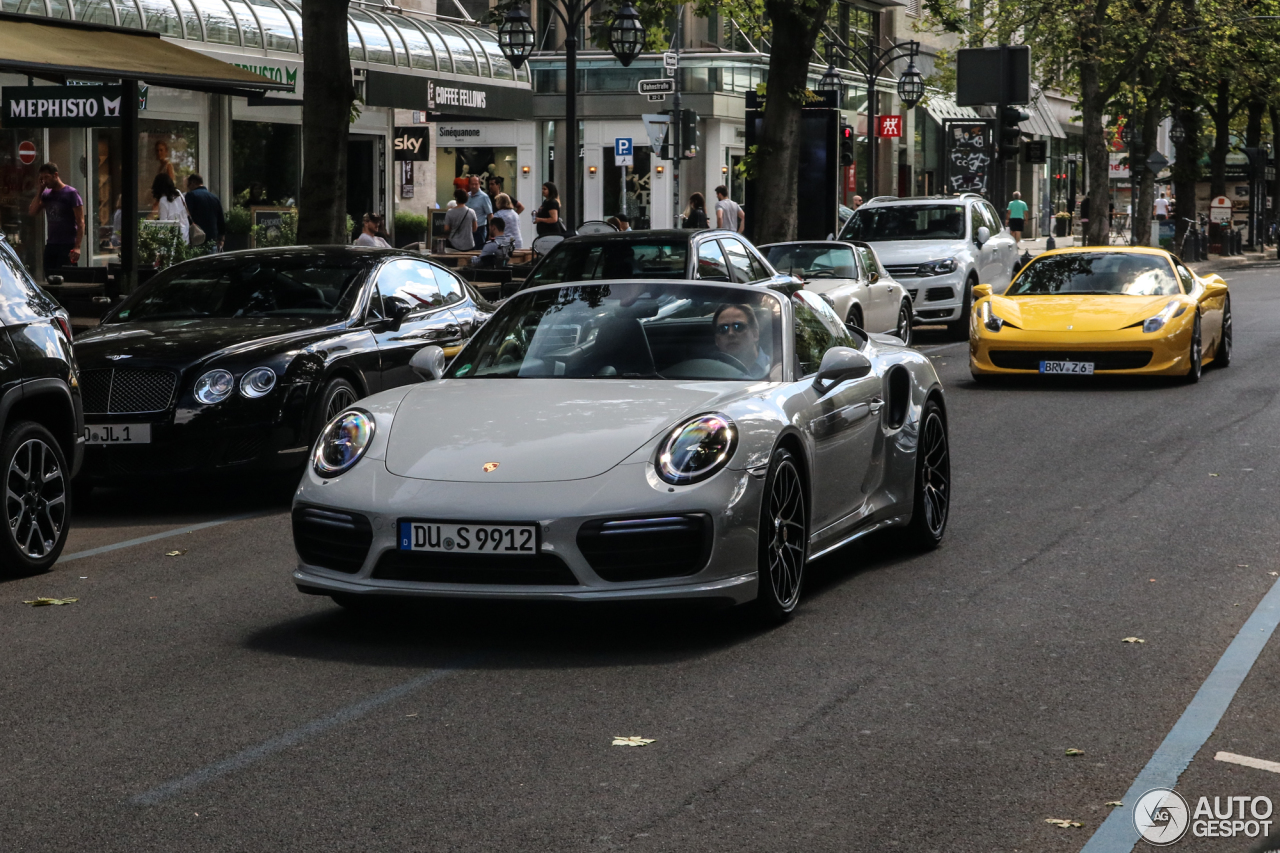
x=60 y=106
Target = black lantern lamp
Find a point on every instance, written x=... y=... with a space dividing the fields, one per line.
x=1130 y=137
x=830 y=81
x=1177 y=133
x=515 y=37
x=626 y=35
x=910 y=86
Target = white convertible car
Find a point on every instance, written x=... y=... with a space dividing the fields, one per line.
x=629 y=440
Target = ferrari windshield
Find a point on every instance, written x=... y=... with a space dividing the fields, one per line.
x=814 y=260
x=611 y=258
x=1113 y=273
x=906 y=222
x=626 y=330
x=313 y=287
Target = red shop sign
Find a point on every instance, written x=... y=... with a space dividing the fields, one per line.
x=888 y=126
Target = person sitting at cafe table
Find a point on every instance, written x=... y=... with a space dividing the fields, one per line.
x=459 y=225
x=498 y=248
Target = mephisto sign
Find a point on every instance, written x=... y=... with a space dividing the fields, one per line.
x=61 y=106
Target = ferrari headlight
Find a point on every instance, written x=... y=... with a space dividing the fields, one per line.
x=258 y=382
x=989 y=318
x=941 y=267
x=1156 y=323
x=343 y=442
x=697 y=449
x=215 y=386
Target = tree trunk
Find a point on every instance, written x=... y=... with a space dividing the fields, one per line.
x=1221 y=141
x=795 y=26
x=1097 y=161
x=1273 y=186
x=326 y=117
x=1186 y=169
x=1141 y=178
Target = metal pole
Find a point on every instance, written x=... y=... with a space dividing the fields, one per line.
x=129 y=192
x=997 y=188
x=569 y=205
x=674 y=128
x=871 y=120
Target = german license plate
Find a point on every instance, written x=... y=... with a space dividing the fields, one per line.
x=510 y=539
x=117 y=434
x=1080 y=368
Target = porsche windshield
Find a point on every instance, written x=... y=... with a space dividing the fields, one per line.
x=606 y=259
x=814 y=260
x=312 y=287
x=906 y=222
x=642 y=330
x=1076 y=273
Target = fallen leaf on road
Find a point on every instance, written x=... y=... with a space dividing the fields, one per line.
x=174 y=553
x=1115 y=803
x=414 y=714
x=1065 y=824
x=633 y=740
x=1213 y=475
x=1133 y=640
x=1274 y=574
x=1242 y=565
x=45 y=602
x=1075 y=752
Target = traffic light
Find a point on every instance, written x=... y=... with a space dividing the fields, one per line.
x=688 y=134
x=846 y=146
x=1010 y=135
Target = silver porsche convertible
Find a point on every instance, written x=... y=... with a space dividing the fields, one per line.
x=628 y=440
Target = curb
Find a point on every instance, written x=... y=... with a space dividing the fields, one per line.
x=1221 y=263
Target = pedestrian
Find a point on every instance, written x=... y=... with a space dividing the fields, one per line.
x=483 y=207
x=728 y=213
x=695 y=215
x=205 y=210
x=1016 y=216
x=547 y=218
x=1162 y=208
x=371 y=232
x=496 y=189
x=506 y=213
x=165 y=166
x=170 y=206
x=64 y=218
x=498 y=249
x=460 y=224
x=624 y=222
x=855 y=202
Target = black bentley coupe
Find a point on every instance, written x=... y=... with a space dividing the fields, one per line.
x=234 y=362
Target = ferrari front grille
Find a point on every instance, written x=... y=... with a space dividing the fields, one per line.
x=331 y=539
x=1101 y=359
x=636 y=549
x=126 y=391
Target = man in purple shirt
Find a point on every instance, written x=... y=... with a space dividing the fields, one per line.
x=64 y=216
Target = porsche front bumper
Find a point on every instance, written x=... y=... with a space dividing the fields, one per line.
x=1125 y=351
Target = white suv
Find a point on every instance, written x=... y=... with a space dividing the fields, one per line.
x=938 y=248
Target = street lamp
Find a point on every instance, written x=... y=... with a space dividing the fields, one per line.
x=626 y=40
x=1177 y=133
x=830 y=82
x=910 y=86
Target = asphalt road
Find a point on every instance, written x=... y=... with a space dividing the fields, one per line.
x=924 y=703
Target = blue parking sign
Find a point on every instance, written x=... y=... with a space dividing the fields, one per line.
x=622 y=147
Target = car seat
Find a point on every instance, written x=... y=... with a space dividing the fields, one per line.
x=621 y=349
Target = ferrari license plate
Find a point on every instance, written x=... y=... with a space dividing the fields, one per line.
x=510 y=539
x=1084 y=368
x=117 y=434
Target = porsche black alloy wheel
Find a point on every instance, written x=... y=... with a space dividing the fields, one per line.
x=1222 y=358
x=932 y=504
x=36 y=503
x=784 y=539
x=1194 y=355
x=903 y=330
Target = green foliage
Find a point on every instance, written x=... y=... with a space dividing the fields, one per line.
x=239 y=221
x=408 y=222
x=286 y=235
x=162 y=246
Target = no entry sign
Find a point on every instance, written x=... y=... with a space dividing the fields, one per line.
x=27 y=152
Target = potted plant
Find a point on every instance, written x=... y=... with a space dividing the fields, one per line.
x=410 y=227
x=239 y=224
x=1061 y=223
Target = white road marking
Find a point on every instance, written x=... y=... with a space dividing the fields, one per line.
x=142 y=540
x=1258 y=763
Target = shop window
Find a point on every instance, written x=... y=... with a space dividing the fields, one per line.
x=455 y=166
x=165 y=148
x=102 y=214
x=18 y=185
x=265 y=161
x=627 y=188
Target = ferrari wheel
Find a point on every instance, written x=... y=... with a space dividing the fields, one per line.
x=784 y=539
x=932 y=504
x=903 y=329
x=1194 y=362
x=1222 y=356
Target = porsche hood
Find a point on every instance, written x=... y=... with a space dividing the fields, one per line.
x=1083 y=313
x=536 y=430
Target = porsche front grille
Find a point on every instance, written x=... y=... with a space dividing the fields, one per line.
x=447 y=567
x=331 y=539
x=634 y=549
x=125 y=391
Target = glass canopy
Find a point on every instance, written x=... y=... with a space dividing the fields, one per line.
x=381 y=36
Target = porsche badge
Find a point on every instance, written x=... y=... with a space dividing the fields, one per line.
x=490 y=467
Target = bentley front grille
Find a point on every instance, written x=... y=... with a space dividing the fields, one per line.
x=126 y=391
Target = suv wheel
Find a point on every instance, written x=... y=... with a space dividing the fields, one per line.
x=37 y=507
x=958 y=329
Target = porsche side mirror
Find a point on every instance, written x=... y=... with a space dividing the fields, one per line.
x=840 y=364
x=981 y=290
x=983 y=235
x=873 y=278
x=397 y=309
x=428 y=362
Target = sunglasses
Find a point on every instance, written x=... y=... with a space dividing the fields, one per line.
x=723 y=328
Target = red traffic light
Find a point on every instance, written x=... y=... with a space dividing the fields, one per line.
x=848 y=132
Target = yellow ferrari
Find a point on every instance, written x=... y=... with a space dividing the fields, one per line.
x=1102 y=310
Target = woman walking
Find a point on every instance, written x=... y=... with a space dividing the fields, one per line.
x=695 y=215
x=547 y=218
x=170 y=206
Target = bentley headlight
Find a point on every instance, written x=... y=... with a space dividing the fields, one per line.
x=989 y=318
x=941 y=267
x=1156 y=323
x=697 y=449
x=343 y=442
x=258 y=382
x=215 y=386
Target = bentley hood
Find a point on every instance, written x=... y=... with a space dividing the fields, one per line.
x=181 y=342
x=1082 y=313
x=536 y=430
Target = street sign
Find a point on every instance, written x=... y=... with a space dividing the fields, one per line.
x=1035 y=152
x=1157 y=161
x=656 y=126
x=658 y=98
x=1220 y=209
x=656 y=87
x=27 y=152
x=889 y=126
x=623 y=152
x=670 y=59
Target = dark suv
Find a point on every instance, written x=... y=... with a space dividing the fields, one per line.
x=41 y=420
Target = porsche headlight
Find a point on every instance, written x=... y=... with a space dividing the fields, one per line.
x=941 y=267
x=1156 y=323
x=258 y=382
x=989 y=318
x=343 y=442
x=215 y=386
x=697 y=449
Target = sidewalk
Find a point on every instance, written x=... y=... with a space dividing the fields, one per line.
x=1216 y=263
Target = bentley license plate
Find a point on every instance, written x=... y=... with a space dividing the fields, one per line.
x=510 y=539
x=117 y=434
x=1084 y=368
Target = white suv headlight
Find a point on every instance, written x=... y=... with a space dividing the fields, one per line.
x=940 y=267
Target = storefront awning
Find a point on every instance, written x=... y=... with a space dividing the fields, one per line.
x=61 y=50
x=1042 y=121
x=942 y=108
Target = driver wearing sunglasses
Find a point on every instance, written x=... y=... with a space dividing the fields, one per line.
x=738 y=335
